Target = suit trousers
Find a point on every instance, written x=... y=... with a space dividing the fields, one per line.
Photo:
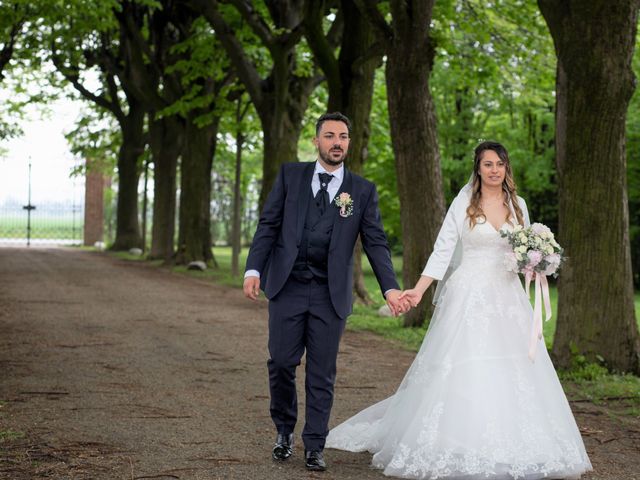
x=301 y=317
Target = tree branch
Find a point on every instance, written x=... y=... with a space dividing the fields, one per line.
x=72 y=76
x=375 y=51
x=244 y=67
x=7 y=48
x=255 y=21
x=113 y=91
x=322 y=50
x=383 y=31
x=290 y=39
x=334 y=35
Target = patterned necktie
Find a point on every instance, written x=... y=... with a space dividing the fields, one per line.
x=322 y=197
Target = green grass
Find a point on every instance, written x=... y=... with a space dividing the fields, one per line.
x=60 y=228
x=7 y=435
x=592 y=382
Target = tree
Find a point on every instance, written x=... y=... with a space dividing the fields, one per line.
x=633 y=174
x=13 y=16
x=76 y=48
x=20 y=61
x=206 y=81
x=596 y=309
x=349 y=76
x=410 y=54
x=236 y=218
x=281 y=96
x=151 y=33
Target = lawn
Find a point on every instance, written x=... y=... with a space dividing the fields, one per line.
x=65 y=227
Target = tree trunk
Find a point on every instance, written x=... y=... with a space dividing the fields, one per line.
x=166 y=135
x=281 y=131
x=357 y=76
x=282 y=97
x=350 y=82
x=127 y=222
x=237 y=200
x=415 y=144
x=194 y=239
x=596 y=307
x=463 y=134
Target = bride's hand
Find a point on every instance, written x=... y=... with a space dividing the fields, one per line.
x=413 y=295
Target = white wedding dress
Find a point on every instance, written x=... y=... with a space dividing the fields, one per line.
x=473 y=405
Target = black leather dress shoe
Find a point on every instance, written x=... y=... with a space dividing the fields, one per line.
x=314 y=460
x=283 y=447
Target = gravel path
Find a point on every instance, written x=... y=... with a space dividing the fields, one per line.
x=118 y=370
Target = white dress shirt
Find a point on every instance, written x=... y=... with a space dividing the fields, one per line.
x=334 y=184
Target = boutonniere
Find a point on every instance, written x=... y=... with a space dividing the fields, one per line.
x=345 y=203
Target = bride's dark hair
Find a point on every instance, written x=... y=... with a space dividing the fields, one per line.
x=474 y=210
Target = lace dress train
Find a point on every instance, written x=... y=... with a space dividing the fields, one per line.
x=473 y=405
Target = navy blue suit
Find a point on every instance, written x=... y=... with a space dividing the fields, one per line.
x=310 y=315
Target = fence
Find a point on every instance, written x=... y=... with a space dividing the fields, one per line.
x=50 y=223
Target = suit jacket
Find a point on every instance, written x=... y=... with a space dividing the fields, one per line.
x=277 y=239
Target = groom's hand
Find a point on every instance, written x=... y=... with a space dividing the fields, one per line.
x=251 y=287
x=396 y=305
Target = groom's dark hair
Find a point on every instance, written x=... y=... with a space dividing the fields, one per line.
x=337 y=116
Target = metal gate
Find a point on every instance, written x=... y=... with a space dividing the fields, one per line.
x=52 y=222
x=44 y=221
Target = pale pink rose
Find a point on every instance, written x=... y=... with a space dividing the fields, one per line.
x=553 y=261
x=535 y=257
x=344 y=197
x=539 y=228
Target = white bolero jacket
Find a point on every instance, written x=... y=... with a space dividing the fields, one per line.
x=447 y=251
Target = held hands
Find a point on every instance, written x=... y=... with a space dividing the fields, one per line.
x=251 y=287
x=397 y=305
x=411 y=296
x=414 y=295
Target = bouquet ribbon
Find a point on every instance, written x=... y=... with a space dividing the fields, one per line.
x=541 y=294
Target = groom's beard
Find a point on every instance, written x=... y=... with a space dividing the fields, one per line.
x=329 y=159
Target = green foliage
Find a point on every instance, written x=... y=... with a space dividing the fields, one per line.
x=594 y=382
x=201 y=63
x=391 y=328
x=96 y=139
x=240 y=119
x=7 y=435
x=379 y=166
x=633 y=172
x=493 y=78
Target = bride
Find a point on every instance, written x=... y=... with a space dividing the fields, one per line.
x=473 y=405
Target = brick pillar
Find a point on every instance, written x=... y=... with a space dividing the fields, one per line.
x=94 y=207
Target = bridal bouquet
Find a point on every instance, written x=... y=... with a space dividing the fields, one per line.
x=535 y=250
x=536 y=254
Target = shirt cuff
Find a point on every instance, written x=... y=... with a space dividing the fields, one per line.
x=385 y=293
x=252 y=273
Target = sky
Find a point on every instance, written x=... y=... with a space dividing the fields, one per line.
x=44 y=144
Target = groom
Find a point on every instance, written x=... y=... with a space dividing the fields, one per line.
x=302 y=257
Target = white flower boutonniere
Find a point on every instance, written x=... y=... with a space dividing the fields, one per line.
x=345 y=203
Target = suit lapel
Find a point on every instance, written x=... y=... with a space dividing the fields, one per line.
x=303 y=198
x=338 y=221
